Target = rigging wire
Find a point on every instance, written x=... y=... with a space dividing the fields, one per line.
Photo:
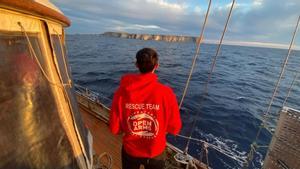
x=196 y=55
x=280 y=76
x=209 y=75
x=266 y=114
x=290 y=88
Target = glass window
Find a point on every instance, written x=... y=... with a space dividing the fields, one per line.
x=31 y=132
x=60 y=57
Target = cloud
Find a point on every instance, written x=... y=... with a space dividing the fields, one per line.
x=163 y=14
x=198 y=9
x=168 y=5
x=253 y=20
x=138 y=28
x=257 y=2
x=272 y=21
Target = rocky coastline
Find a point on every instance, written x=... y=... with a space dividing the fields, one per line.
x=167 y=38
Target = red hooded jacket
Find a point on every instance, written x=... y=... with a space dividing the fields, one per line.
x=145 y=111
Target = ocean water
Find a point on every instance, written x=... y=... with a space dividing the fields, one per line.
x=238 y=93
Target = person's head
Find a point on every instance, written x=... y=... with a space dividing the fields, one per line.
x=147 y=60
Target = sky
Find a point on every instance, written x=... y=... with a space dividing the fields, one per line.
x=253 y=22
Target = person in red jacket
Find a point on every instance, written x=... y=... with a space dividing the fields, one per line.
x=145 y=111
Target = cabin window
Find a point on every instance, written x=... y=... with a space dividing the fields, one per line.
x=17 y=61
x=29 y=115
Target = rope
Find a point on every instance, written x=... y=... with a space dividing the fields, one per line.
x=250 y=155
x=266 y=114
x=191 y=165
x=210 y=73
x=205 y=146
x=100 y=165
x=196 y=55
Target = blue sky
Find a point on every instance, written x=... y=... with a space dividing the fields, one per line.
x=267 y=21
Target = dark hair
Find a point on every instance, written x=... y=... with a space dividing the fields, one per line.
x=146 y=59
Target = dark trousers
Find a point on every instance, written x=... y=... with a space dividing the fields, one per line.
x=130 y=162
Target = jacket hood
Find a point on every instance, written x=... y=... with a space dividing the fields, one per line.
x=138 y=82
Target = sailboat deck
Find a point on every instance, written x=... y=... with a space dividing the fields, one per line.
x=103 y=139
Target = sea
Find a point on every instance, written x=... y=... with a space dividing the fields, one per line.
x=228 y=116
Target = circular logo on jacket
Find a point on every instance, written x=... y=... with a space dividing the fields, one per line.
x=143 y=124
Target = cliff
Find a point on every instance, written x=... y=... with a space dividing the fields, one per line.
x=167 y=38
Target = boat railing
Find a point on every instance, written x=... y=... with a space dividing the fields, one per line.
x=92 y=101
x=89 y=94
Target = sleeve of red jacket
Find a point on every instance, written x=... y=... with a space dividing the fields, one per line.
x=174 y=122
x=114 y=118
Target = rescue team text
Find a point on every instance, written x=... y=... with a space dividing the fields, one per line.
x=142 y=106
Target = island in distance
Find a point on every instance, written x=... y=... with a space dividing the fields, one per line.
x=167 y=38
